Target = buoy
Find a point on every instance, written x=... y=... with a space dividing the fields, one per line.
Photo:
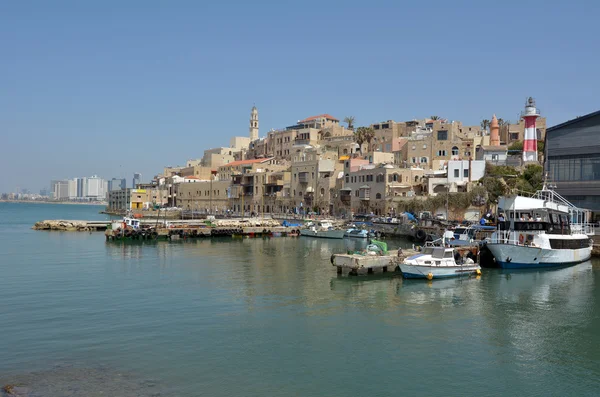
x=478 y=272
x=429 y=276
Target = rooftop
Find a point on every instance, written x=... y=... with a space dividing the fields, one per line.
x=246 y=162
x=321 y=116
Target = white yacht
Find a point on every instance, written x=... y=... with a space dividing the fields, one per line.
x=540 y=231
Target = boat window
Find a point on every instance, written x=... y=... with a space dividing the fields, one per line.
x=428 y=250
x=460 y=230
x=438 y=252
x=448 y=254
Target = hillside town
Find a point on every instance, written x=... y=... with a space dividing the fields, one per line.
x=322 y=165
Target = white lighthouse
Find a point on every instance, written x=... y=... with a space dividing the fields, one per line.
x=530 y=115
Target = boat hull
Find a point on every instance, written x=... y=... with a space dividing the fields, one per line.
x=418 y=271
x=510 y=256
x=334 y=234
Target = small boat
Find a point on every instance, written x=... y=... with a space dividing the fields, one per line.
x=323 y=229
x=357 y=233
x=437 y=262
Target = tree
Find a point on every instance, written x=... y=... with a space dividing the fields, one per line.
x=359 y=138
x=518 y=145
x=435 y=118
x=350 y=121
x=367 y=134
x=485 y=123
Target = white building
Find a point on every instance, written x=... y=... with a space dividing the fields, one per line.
x=455 y=176
x=96 y=188
x=73 y=189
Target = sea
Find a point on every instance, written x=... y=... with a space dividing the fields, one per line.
x=80 y=316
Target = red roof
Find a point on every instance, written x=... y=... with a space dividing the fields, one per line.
x=246 y=162
x=321 y=116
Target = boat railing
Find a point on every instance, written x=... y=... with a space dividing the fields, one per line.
x=583 y=228
x=506 y=237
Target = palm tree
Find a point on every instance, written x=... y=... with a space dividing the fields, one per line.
x=435 y=118
x=350 y=121
x=485 y=123
x=359 y=138
x=367 y=134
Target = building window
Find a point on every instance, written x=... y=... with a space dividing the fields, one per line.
x=414 y=147
x=424 y=160
x=322 y=192
x=414 y=160
x=442 y=135
x=466 y=173
x=455 y=151
x=494 y=157
x=425 y=146
x=347 y=179
x=513 y=136
x=456 y=173
x=441 y=153
x=356 y=193
x=378 y=196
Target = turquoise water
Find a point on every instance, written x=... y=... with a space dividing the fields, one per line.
x=258 y=317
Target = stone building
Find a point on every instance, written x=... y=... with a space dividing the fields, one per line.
x=372 y=188
x=206 y=196
x=313 y=179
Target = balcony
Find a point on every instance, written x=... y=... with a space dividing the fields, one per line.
x=364 y=193
x=303 y=177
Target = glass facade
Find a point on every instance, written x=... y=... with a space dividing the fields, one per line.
x=574 y=168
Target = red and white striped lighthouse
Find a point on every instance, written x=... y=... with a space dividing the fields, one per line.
x=530 y=136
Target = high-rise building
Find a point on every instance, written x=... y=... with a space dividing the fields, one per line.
x=137 y=178
x=60 y=190
x=73 y=189
x=81 y=187
x=96 y=188
x=117 y=184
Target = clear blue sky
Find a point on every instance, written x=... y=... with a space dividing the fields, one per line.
x=117 y=87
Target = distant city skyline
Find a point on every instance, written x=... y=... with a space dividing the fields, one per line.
x=165 y=83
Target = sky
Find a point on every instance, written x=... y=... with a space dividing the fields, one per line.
x=116 y=87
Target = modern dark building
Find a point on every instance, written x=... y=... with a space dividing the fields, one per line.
x=572 y=153
x=137 y=178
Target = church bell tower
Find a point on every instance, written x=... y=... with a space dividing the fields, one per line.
x=254 y=124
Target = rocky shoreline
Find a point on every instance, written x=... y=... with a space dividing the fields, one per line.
x=70 y=226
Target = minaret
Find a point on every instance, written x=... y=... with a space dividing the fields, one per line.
x=530 y=136
x=254 y=124
x=494 y=132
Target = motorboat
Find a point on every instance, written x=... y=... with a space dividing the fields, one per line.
x=438 y=262
x=544 y=230
x=323 y=229
x=357 y=233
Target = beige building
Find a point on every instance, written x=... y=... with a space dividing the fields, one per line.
x=372 y=188
x=313 y=179
x=226 y=171
x=261 y=190
x=208 y=196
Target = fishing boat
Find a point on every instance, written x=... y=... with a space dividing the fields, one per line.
x=323 y=229
x=438 y=262
x=127 y=222
x=357 y=233
x=544 y=230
